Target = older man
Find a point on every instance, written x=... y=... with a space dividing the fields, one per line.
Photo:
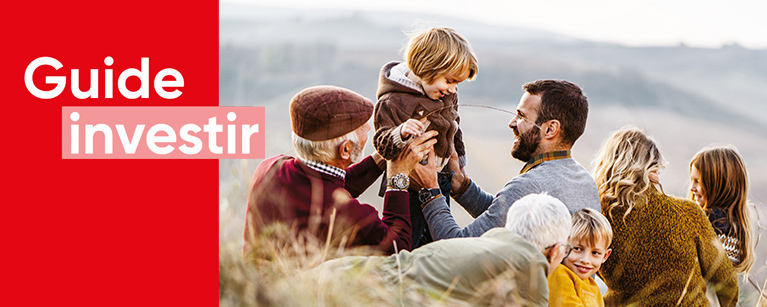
x=505 y=266
x=551 y=116
x=315 y=193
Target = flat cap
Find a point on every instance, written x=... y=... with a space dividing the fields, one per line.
x=326 y=112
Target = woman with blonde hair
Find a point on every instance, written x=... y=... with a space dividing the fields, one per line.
x=664 y=248
x=719 y=183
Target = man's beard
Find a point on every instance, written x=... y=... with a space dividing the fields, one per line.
x=527 y=145
x=356 y=156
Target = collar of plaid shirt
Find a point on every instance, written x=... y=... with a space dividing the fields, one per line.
x=547 y=156
x=324 y=168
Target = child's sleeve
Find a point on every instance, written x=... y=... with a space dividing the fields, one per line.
x=460 y=150
x=562 y=289
x=389 y=115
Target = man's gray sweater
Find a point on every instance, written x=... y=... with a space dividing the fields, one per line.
x=564 y=179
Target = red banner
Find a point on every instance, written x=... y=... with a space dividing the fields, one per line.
x=106 y=232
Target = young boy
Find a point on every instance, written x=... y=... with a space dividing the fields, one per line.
x=420 y=94
x=571 y=284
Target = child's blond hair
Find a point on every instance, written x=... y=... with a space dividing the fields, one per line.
x=440 y=51
x=590 y=226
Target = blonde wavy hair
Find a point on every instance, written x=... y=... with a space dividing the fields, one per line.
x=440 y=51
x=724 y=183
x=623 y=169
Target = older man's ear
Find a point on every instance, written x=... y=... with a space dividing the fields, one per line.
x=345 y=150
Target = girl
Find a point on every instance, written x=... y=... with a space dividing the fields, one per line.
x=719 y=184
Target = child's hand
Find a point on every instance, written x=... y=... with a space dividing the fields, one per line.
x=411 y=127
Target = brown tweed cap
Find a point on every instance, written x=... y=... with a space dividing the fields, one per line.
x=326 y=112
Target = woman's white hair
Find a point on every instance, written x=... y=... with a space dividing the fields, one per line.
x=541 y=219
x=325 y=151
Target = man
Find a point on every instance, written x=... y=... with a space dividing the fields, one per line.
x=504 y=266
x=551 y=116
x=314 y=194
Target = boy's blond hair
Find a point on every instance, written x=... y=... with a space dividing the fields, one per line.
x=589 y=226
x=440 y=51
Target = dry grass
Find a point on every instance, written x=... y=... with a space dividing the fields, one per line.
x=751 y=292
x=282 y=271
x=283 y=268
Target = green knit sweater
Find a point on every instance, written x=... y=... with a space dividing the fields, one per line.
x=666 y=250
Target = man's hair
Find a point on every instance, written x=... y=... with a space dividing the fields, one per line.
x=563 y=101
x=440 y=51
x=321 y=151
x=541 y=219
x=589 y=226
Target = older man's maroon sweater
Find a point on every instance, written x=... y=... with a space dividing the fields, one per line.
x=285 y=190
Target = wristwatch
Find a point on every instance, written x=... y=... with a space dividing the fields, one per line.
x=424 y=195
x=399 y=181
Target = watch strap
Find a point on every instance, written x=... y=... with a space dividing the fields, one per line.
x=424 y=195
x=423 y=204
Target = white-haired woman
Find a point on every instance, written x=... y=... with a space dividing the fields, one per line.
x=664 y=248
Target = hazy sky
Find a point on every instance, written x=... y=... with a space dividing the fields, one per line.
x=699 y=23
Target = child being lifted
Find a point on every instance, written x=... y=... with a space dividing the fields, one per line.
x=420 y=94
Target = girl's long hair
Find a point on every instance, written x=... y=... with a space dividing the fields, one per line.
x=623 y=168
x=724 y=183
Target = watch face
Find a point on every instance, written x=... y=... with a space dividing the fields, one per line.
x=425 y=194
x=400 y=181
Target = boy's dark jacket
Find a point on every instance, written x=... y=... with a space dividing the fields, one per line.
x=397 y=103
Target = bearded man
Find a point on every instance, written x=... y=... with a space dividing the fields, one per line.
x=315 y=194
x=551 y=116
